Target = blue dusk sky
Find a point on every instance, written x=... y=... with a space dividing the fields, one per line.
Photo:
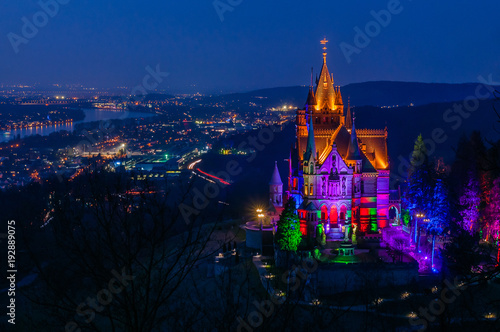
x=239 y=45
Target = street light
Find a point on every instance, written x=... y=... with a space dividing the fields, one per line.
x=427 y=220
x=260 y=216
x=417 y=231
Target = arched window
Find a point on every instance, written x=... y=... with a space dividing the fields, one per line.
x=311 y=168
x=333 y=216
x=393 y=212
x=311 y=190
x=324 y=213
x=343 y=211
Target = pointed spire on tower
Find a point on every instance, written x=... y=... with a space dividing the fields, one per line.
x=276 y=178
x=353 y=151
x=338 y=97
x=348 y=119
x=325 y=91
x=311 y=143
x=311 y=100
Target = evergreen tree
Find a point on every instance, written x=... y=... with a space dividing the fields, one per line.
x=439 y=215
x=419 y=193
x=470 y=201
x=420 y=188
x=320 y=235
x=288 y=235
x=492 y=212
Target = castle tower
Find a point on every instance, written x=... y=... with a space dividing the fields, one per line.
x=338 y=173
x=276 y=188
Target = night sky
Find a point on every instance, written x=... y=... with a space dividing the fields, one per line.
x=258 y=44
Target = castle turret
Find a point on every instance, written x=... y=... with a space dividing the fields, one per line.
x=276 y=188
x=311 y=143
x=311 y=101
x=348 y=119
x=353 y=153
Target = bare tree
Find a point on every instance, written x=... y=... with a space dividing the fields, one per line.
x=120 y=251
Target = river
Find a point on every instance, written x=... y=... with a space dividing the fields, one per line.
x=90 y=115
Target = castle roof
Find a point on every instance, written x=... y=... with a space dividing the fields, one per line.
x=353 y=151
x=367 y=145
x=325 y=92
x=276 y=178
x=348 y=119
x=311 y=142
x=366 y=165
x=306 y=205
x=311 y=100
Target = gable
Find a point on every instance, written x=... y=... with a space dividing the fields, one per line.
x=333 y=162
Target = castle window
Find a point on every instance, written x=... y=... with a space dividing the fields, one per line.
x=343 y=211
x=311 y=191
x=324 y=213
x=333 y=215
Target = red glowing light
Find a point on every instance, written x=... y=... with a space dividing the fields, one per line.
x=212 y=176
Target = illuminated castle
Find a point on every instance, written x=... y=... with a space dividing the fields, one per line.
x=338 y=174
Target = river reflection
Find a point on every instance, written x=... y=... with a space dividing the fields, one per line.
x=90 y=115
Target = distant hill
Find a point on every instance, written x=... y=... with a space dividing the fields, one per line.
x=380 y=93
x=272 y=97
x=406 y=123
